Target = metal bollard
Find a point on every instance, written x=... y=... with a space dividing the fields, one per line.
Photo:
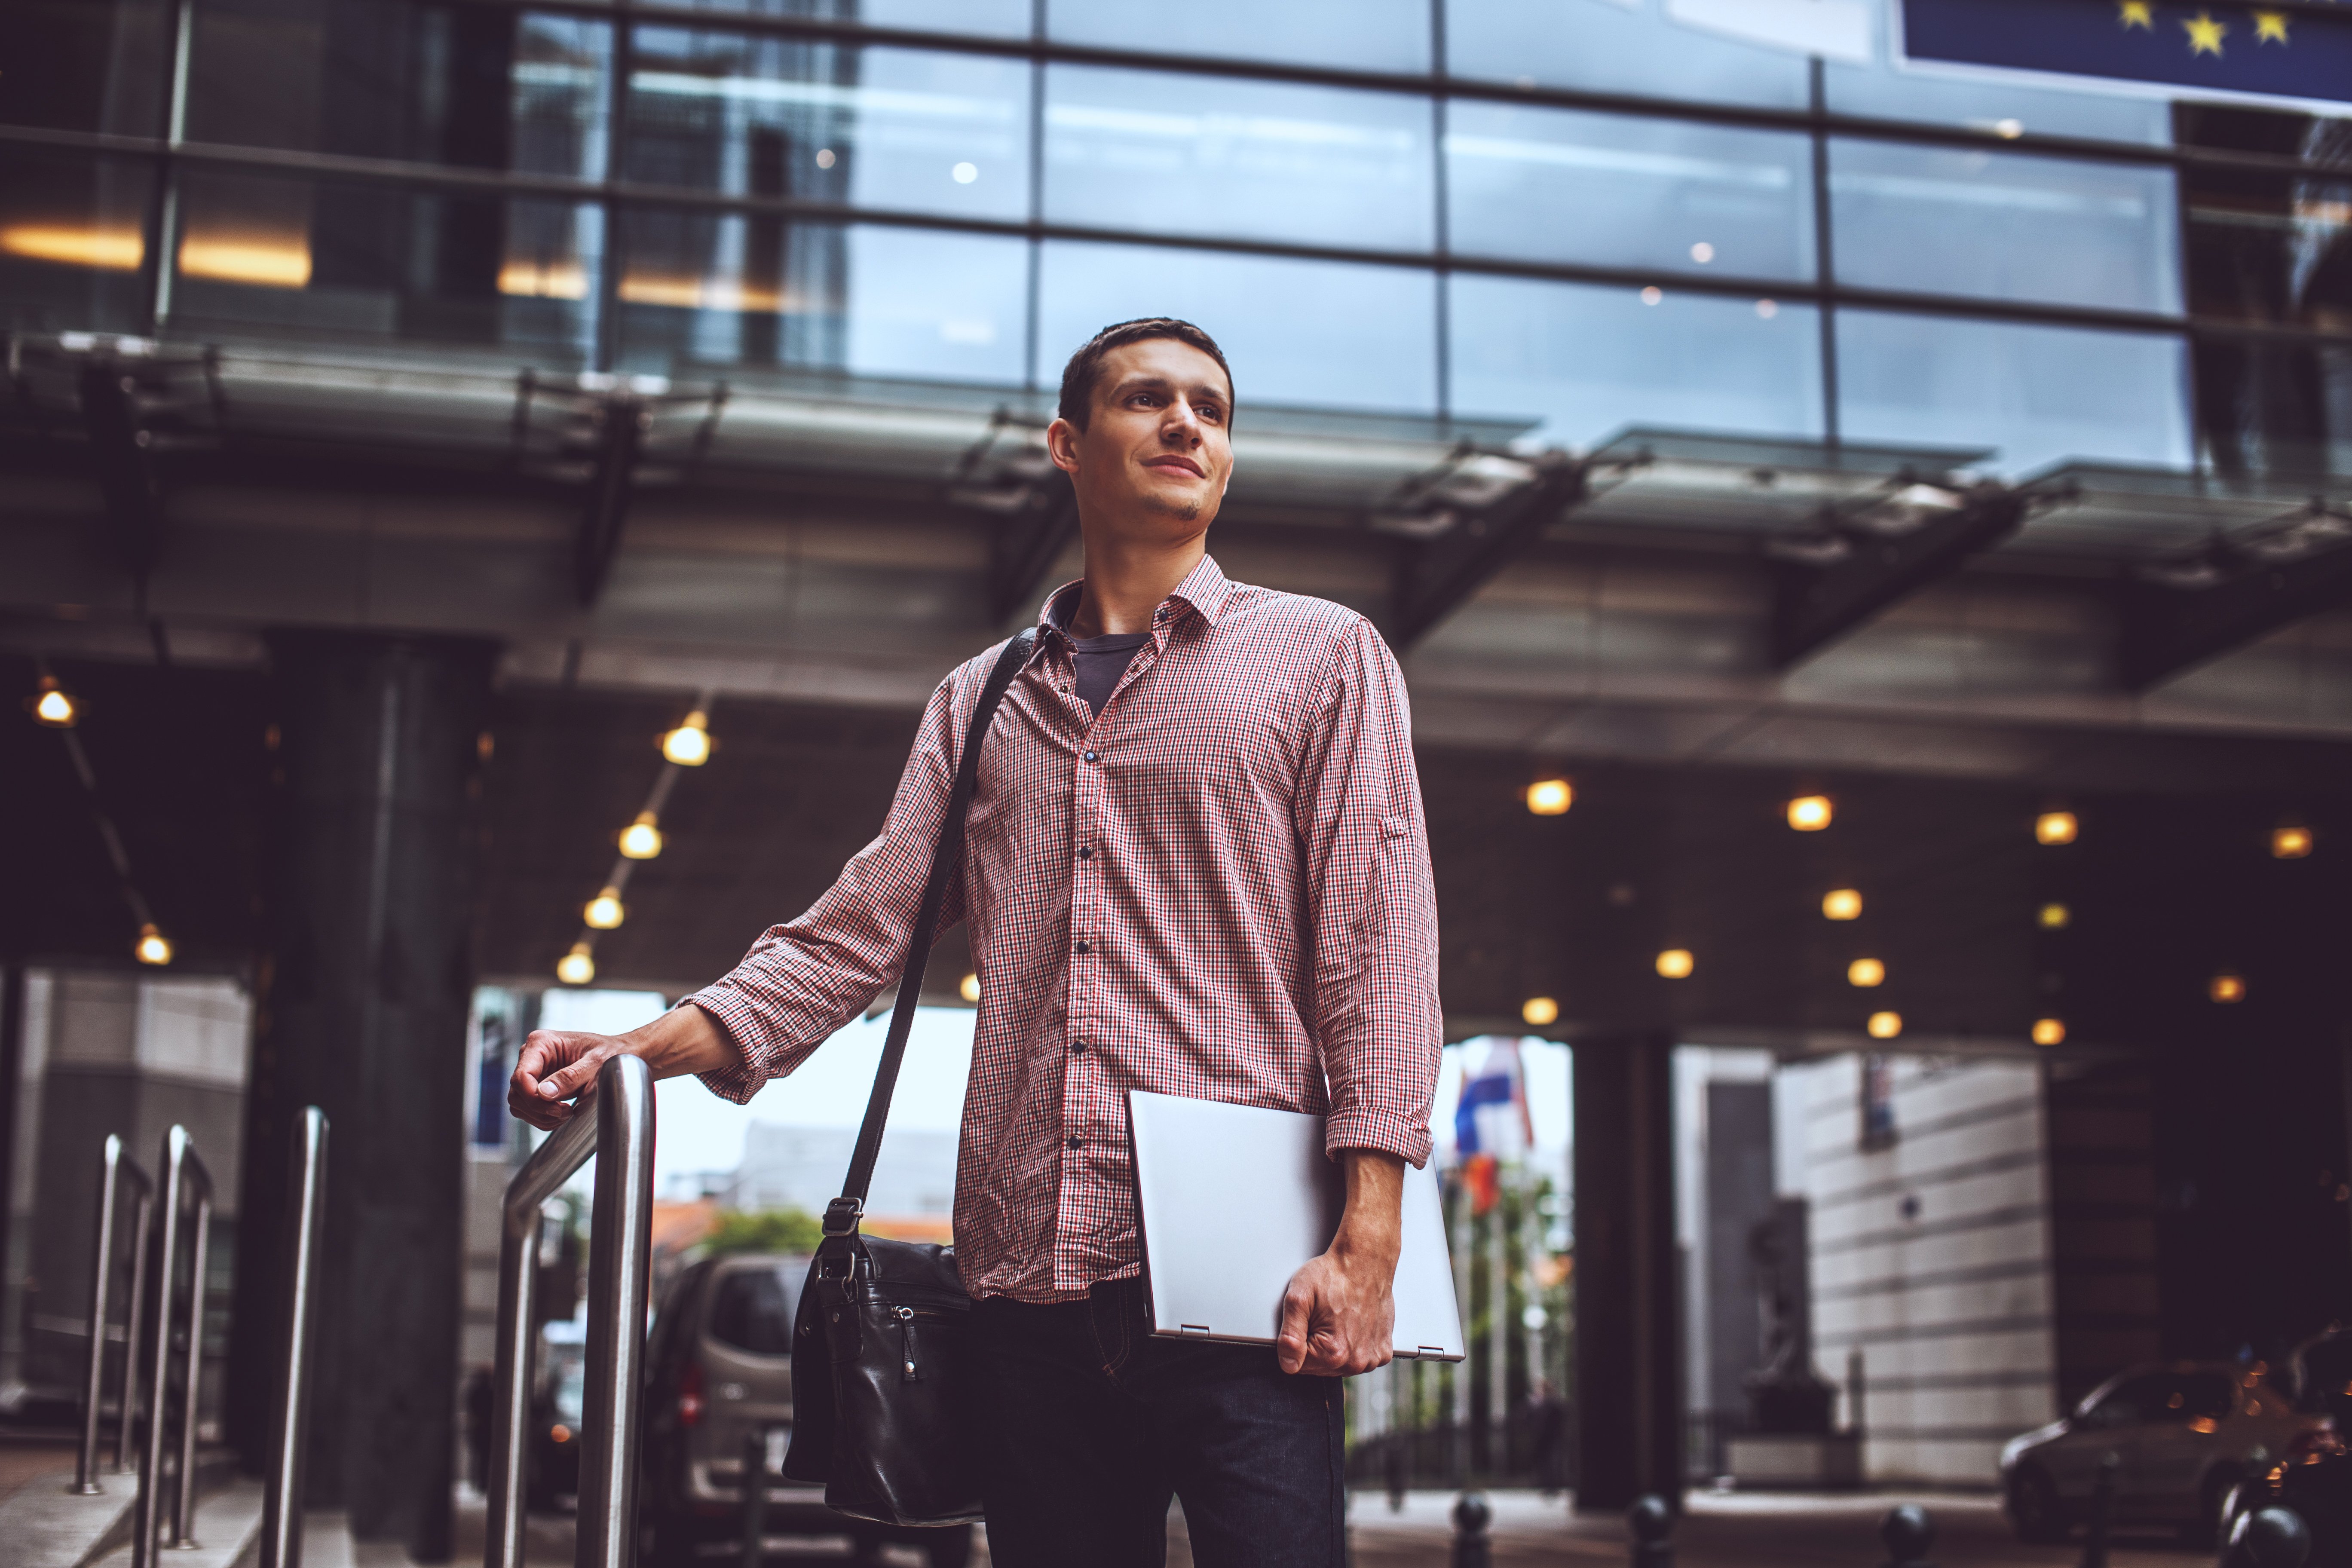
x=1471 y=1517
x=2270 y=1538
x=2103 y=1508
x=755 y=1497
x=281 y=1498
x=1909 y=1533
x=114 y=1170
x=185 y=1176
x=1652 y=1524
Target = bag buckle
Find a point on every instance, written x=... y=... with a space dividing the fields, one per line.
x=842 y=1215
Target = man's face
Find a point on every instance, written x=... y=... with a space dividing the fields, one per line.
x=1157 y=450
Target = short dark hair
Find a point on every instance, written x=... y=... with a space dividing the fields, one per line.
x=1078 y=376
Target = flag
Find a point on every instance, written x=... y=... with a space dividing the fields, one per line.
x=1492 y=1120
x=2233 y=50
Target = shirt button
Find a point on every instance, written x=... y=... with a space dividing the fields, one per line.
x=1078 y=1047
x=1094 y=756
x=1085 y=851
x=1076 y=1140
x=1084 y=948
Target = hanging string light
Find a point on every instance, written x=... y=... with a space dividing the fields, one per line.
x=688 y=745
x=1550 y=797
x=1811 y=813
x=153 y=947
x=1540 y=1011
x=1885 y=1026
x=606 y=912
x=576 y=967
x=53 y=705
x=1842 y=904
x=642 y=839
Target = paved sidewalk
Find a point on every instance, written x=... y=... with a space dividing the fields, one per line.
x=1727 y=1530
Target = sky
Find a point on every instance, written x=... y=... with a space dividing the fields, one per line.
x=698 y=1132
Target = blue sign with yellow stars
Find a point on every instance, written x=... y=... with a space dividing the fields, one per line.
x=2297 y=51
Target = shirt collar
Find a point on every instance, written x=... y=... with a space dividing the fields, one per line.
x=1204 y=588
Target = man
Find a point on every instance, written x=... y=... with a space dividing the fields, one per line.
x=1197 y=865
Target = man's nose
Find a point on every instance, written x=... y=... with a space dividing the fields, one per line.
x=1181 y=425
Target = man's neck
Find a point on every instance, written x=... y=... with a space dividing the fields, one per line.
x=1126 y=583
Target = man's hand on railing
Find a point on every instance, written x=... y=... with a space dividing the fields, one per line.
x=559 y=1066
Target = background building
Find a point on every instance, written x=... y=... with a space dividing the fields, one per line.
x=416 y=408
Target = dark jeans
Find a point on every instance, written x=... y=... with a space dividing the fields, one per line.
x=1085 y=1425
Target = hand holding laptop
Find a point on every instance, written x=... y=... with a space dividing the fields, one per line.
x=1339 y=1313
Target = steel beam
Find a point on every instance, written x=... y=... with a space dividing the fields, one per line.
x=2167 y=629
x=1815 y=605
x=620 y=441
x=1438 y=575
x=121 y=456
x=1029 y=540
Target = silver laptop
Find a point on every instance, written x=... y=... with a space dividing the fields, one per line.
x=1232 y=1200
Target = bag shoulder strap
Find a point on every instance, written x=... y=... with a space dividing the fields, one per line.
x=842 y=1215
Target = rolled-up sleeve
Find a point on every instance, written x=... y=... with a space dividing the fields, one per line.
x=1371 y=904
x=807 y=977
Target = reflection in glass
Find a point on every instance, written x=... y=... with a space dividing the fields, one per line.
x=84 y=65
x=1589 y=361
x=72 y=242
x=1610 y=45
x=994 y=18
x=314 y=259
x=760 y=292
x=787 y=117
x=2004 y=225
x=1547 y=184
x=1312 y=333
x=2271 y=247
x=2035 y=395
x=2003 y=108
x=1150 y=151
x=1362 y=35
x=477 y=87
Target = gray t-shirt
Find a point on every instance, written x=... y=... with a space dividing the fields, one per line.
x=1100 y=662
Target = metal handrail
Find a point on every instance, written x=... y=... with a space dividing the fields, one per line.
x=621 y=1133
x=112 y=1167
x=183 y=1173
x=281 y=1498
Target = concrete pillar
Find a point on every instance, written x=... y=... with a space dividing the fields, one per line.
x=1629 y=1400
x=363 y=1002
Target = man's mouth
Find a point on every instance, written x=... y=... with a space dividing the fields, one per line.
x=1173 y=462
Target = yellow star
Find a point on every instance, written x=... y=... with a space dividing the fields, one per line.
x=2270 y=24
x=2135 y=13
x=2205 y=34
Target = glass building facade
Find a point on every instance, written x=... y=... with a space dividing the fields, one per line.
x=1576 y=215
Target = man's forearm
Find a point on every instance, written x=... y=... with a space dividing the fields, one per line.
x=1372 y=1226
x=684 y=1040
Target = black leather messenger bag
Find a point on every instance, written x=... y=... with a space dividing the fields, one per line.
x=878 y=1345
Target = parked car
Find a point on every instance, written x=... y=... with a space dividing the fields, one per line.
x=720 y=1370
x=2312 y=1475
x=2184 y=1435
x=551 y=1470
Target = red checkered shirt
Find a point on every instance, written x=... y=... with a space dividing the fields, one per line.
x=1218 y=887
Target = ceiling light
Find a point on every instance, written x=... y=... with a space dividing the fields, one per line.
x=1842 y=904
x=641 y=840
x=576 y=968
x=2226 y=988
x=54 y=706
x=1539 y=1010
x=1809 y=812
x=688 y=745
x=1865 y=972
x=1675 y=963
x=605 y=910
x=2049 y=1031
x=1702 y=253
x=2054 y=827
x=1885 y=1026
x=2056 y=917
x=153 y=947
x=969 y=988
x=2290 y=843
x=1550 y=797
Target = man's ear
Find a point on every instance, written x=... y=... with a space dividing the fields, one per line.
x=1062 y=445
